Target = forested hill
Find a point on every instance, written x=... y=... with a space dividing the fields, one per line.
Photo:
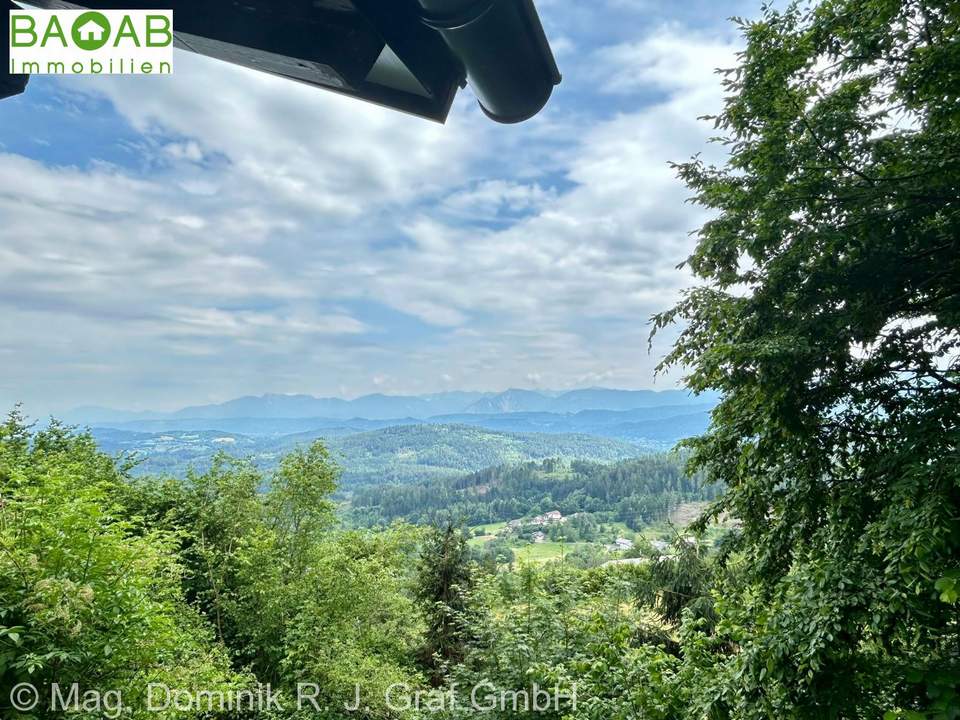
x=402 y=454
x=636 y=492
x=410 y=453
x=662 y=425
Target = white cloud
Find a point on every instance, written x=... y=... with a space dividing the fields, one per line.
x=276 y=208
x=488 y=198
x=184 y=151
x=310 y=150
x=668 y=59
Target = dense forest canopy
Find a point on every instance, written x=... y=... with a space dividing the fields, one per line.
x=636 y=492
x=395 y=454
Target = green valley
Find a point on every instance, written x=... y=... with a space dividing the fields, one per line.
x=399 y=454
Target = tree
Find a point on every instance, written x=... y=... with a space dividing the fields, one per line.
x=291 y=597
x=680 y=581
x=444 y=580
x=84 y=597
x=827 y=315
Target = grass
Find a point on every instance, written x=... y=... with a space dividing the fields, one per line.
x=491 y=528
x=527 y=552
x=480 y=540
x=660 y=531
x=489 y=531
x=548 y=551
x=545 y=552
x=623 y=530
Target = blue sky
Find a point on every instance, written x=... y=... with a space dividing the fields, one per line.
x=172 y=241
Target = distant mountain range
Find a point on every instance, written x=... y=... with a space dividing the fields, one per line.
x=659 y=424
x=389 y=439
x=393 y=407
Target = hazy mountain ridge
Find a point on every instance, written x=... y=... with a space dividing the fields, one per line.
x=513 y=401
x=392 y=407
x=661 y=423
x=403 y=447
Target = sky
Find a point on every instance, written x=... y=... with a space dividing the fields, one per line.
x=218 y=233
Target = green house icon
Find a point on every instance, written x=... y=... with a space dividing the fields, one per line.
x=90 y=31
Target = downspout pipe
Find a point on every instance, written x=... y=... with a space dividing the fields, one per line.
x=504 y=50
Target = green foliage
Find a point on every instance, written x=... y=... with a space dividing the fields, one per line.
x=354 y=627
x=444 y=579
x=396 y=454
x=679 y=583
x=409 y=453
x=211 y=585
x=495 y=553
x=587 y=556
x=234 y=578
x=828 y=317
x=84 y=598
x=292 y=598
x=636 y=492
x=570 y=634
